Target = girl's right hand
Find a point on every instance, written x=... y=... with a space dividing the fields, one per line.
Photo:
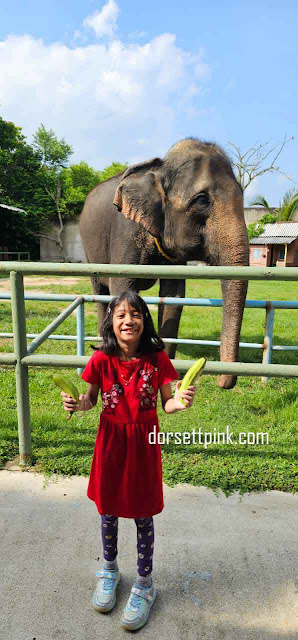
x=69 y=403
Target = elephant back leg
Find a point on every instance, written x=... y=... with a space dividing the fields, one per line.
x=169 y=314
x=100 y=290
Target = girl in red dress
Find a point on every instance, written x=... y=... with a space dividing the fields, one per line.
x=126 y=473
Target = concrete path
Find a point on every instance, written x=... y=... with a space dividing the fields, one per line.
x=225 y=568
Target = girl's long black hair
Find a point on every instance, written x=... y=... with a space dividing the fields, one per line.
x=149 y=341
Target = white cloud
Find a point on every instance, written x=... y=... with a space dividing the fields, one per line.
x=103 y=22
x=111 y=102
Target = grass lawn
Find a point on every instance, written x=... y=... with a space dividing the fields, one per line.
x=66 y=447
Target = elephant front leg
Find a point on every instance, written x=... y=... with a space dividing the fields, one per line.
x=169 y=314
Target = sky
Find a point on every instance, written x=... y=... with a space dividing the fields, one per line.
x=123 y=80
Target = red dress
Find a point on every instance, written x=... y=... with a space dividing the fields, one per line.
x=126 y=473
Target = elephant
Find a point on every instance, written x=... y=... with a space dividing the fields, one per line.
x=186 y=206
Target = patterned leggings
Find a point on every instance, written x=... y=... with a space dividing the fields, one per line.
x=145 y=541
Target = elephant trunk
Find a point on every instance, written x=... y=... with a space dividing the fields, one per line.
x=233 y=295
x=232 y=250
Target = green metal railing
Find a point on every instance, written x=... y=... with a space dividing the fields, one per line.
x=23 y=356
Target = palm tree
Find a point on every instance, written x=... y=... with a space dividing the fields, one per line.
x=287 y=207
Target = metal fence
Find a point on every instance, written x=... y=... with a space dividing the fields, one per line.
x=4 y=255
x=80 y=338
x=23 y=356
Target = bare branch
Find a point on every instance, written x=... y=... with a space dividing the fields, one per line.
x=50 y=193
x=43 y=235
x=250 y=164
x=61 y=228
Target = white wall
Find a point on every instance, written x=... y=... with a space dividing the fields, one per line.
x=50 y=252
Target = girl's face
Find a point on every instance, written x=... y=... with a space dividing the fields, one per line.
x=128 y=324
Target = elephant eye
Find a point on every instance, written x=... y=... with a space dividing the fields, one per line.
x=201 y=200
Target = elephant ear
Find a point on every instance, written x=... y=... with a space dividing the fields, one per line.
x=140 y=196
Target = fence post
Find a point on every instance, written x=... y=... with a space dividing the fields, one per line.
x=22 y=379
x=80 y=332
x=267 y=346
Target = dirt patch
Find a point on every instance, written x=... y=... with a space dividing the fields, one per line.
x=40 y=281
x=3 y=341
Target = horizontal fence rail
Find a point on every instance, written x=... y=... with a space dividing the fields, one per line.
x=23 y=355
x=192 y=302
x=14 y=253
x=152 y=271
x=211 y=368
x=206 y=343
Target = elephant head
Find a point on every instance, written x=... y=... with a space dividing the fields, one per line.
x=191 y=202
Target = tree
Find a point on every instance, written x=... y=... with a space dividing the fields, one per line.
x=112 y=170
x=256 y=228
x=284 y=213
x=66 y=186
x=55 y=153
x=249 y=165
x=77 y=181
x=54 y=158
x=287 y=207
x=10 y=135
x=20 y=186
x=19 y=165
x=37 y=179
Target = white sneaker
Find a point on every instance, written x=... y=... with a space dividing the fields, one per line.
x=136 y=612
x=104 y=598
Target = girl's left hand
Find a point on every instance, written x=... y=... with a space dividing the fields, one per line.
x=188 y=396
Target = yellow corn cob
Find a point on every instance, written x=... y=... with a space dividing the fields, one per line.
x=68 y=387
x=191 y=376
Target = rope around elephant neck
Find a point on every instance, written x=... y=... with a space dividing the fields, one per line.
x=163 y=253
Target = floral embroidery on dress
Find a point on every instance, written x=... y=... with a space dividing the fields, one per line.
x=146 y=388
x=148 y=396
x=111 y=398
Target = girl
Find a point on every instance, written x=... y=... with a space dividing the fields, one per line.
x=126 y=473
